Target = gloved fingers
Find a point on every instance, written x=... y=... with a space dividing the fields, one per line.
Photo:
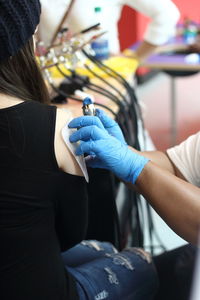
x=88 y=147
x=88 y=133
x=85 y=121
x=110 y=125
x=106 y=121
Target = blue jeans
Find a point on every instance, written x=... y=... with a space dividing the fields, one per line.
x=101 y=272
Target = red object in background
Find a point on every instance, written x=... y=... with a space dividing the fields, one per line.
x=189 y=9
x=127 y=28
x=132 y=24
x=131 y=27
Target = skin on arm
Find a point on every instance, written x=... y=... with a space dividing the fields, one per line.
x=162 y=160
x=174 y=199
x=66 y=161
x=142 y=52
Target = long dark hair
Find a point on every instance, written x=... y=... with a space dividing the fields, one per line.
x=20 y=76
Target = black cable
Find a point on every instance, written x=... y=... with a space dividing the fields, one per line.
x=136 y=110
x=133 y=99
x=110 y=96
x=106 y=82
x=133 y=114
x=122 y=111
x=110 y=72
x=152 y=231
x=65 y=95
x=90 y=28
x=88 y=84
x=98 y=89
x=137 y=236
x=135 y=107
x=116 y=116
x=106 y=93
x=123 y=127
x=121 y=105
x=74 y=74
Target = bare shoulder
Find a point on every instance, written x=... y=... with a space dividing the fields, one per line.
x=66 y=160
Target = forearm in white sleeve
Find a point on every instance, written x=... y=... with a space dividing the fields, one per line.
x=186 y=157
x=164 y=16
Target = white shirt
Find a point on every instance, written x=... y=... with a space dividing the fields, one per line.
x=163 y=16
x=186 y=158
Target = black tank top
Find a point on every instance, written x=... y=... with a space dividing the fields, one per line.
x=43 y=210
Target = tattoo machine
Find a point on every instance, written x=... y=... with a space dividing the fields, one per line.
x=88 y=107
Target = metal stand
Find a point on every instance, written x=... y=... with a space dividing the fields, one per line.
x=173 y=111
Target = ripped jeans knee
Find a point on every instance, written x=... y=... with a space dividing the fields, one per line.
x=99 y=246
x=86 y=251
x=127 y=275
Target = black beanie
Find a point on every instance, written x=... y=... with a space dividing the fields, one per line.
x=18 y=21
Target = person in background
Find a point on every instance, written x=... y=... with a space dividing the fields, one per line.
x=163 y=16
x=169 y=181
x=43 y=198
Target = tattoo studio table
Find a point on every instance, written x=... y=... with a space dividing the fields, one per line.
x=174 y=60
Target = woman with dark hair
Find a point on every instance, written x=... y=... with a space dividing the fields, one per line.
x=43 y=200
x=37 y=170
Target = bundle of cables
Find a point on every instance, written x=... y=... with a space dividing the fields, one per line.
x=127 y=116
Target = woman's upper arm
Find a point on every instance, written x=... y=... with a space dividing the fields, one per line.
x=65 y=159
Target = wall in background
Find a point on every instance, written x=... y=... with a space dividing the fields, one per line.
x=132 y=24
x=190 y=9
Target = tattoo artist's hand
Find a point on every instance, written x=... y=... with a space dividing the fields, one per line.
x=111 y=126
x=109 y=153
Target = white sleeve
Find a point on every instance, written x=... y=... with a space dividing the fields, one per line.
x=163 y=14
x=186 y=158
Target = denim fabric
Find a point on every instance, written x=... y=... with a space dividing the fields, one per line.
x=85 y=252
x=104 y=273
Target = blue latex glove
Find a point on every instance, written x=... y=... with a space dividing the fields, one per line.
x=109 y=152
x=111 y=126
